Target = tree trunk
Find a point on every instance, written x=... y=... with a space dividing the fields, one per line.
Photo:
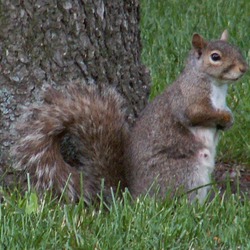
x=54 y=42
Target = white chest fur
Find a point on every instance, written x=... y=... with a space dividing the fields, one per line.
x=218 y=96
x=209 y=138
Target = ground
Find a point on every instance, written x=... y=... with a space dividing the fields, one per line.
x=239 y=176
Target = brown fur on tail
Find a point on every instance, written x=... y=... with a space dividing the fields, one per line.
x=97 y=125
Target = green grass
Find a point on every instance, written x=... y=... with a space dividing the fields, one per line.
x=142 y=224
x=26 y=222
x=166 y=30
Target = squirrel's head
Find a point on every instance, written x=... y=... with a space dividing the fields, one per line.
x=218 y=58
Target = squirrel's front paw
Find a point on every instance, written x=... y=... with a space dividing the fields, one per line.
x=227 y=121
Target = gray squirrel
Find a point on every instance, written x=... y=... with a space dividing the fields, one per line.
x=171 y=147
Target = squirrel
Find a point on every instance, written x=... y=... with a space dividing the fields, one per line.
x=174 y=141
x=172 y=145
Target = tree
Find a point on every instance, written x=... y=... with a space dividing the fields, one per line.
x=53 y=42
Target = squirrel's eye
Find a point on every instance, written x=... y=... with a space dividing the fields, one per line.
x=215 y=57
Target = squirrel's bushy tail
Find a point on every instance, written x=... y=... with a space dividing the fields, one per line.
x=96 y=121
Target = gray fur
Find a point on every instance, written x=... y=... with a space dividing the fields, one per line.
x=172 y=144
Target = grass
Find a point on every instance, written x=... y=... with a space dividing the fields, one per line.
x=167 y=28
x=26 y=222
x=142 y=224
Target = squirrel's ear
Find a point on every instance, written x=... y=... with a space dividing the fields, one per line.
x=224 y=36
x=198 y=42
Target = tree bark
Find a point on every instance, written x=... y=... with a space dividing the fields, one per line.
x=55 y=42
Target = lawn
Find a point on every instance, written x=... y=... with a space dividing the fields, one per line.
x=223 y=223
